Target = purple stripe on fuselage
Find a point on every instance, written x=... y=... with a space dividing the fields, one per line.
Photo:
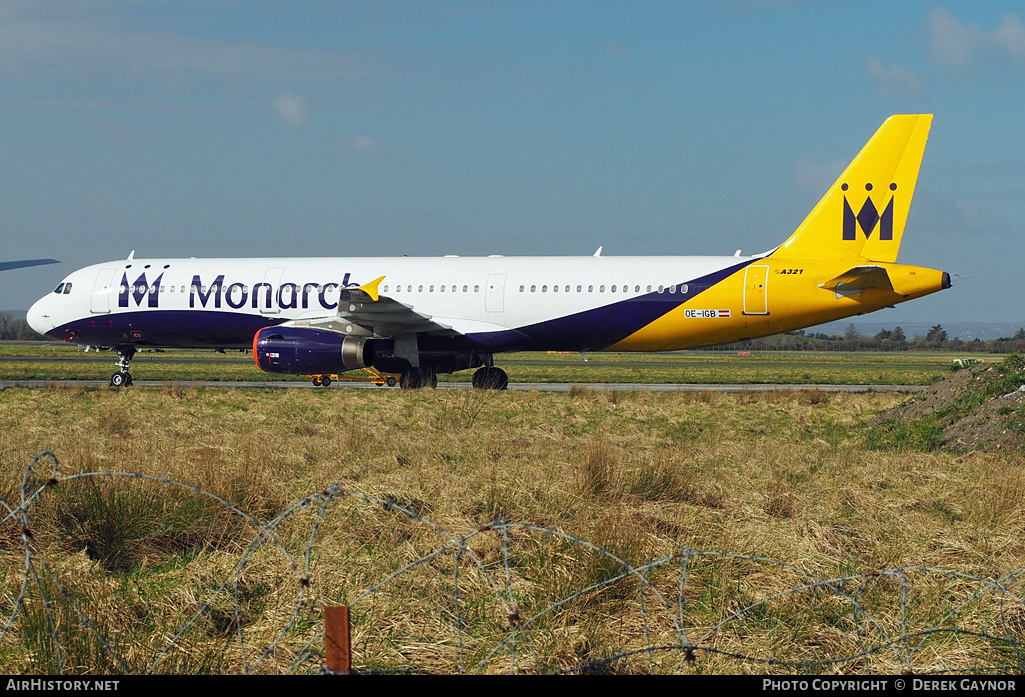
x=168 y=328
x=594 y=330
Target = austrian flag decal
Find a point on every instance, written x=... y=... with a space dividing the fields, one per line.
x=706 y=314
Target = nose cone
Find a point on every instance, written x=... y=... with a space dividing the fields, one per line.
x=39 y=317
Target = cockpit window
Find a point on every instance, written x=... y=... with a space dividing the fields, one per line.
x=59 y=289
x=67 y=288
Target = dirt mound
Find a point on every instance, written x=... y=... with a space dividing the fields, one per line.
x=978 y=408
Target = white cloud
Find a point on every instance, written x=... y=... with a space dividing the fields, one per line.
x=366 y=144
x=818 y=178
x=1009 y=38
x=896 y=80
x=964 y=47
x=97 y=41
x=291 y=109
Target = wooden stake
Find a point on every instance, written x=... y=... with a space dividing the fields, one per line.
x=337 y=654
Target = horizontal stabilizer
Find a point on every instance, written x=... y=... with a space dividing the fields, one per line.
x=858 y=279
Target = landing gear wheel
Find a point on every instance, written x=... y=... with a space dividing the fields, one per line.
x=490 y=379
x=325 y=381
x=124 y=358
x=415 y=378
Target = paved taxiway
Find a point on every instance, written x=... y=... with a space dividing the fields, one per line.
x=521 y=386
x=149 y=358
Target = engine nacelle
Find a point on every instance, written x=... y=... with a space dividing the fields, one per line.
x=303 y=351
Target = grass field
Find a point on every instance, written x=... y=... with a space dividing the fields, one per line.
x=686 y=367
x=784 y=476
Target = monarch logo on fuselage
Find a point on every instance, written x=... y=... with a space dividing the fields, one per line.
x=287 y=296
x=139 y=291
x=868 y=217
x=234 y=295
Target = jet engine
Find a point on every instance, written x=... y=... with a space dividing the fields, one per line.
x=303 y=351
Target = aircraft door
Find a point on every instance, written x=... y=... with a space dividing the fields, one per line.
x=263 y=293
x=756 y=299
x=494 y=293
x=102 y=290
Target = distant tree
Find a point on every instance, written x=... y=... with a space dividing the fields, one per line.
x=937 y=333
x=851 y=332
x=898 y=335
x=1020 y=334
x=884 y=334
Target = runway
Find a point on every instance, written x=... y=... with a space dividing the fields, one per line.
x=518 y=386
x=109 y=357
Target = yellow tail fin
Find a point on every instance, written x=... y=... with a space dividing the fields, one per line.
x=862 y=215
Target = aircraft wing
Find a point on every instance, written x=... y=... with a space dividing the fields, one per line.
x=8 y=265
x=858 y=279
x=376 y=315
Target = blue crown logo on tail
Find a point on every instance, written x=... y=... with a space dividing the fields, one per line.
x=868 y=217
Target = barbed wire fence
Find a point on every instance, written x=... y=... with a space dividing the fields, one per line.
x=502 y=597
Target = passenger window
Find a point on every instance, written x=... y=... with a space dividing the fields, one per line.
x=555 y=289
x=613 y=289
x=476 y=289
x=466 y=288
x=533 y=289
x=579 y=288
x=601 y=289
x=661 y=289
x=683 y=288
x=590 y=289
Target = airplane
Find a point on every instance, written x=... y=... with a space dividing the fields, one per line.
x=419 y=317
x=8 y=265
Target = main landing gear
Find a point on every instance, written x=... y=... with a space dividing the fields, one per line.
x=416 y=378
x=490 y=378
x=122 y=377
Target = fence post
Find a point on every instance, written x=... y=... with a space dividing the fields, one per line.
x=337 y=654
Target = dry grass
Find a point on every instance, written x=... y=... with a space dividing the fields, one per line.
x=779 y=475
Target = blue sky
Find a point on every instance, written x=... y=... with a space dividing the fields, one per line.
x=218 y=128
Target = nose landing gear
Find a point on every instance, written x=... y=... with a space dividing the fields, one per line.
x=122 y=378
